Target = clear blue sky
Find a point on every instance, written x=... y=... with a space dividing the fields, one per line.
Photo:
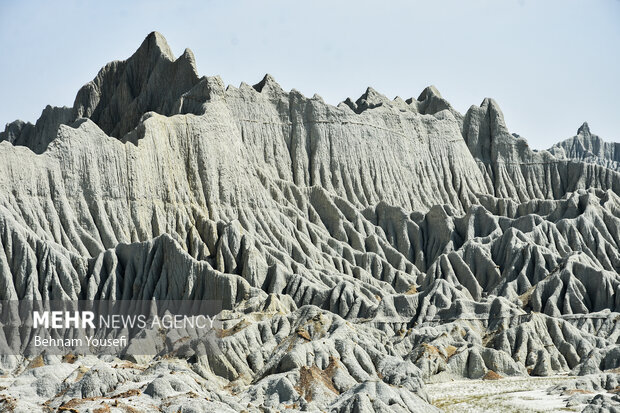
x=551 y=64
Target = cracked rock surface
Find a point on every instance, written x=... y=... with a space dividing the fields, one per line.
x=359 y=250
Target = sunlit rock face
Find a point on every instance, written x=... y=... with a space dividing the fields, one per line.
x=359 y=250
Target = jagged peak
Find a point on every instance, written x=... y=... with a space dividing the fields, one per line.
x=487 y=135
x=429 y=91
x=294 y=93
x=490 y=103
x=188 y=56
x=372 y=97
x=156 y=81
x=584 y=129
x=430 y=102
x=589 y=147
x=348 y=102
x=267 y=83
x=492 y=107
x=368 y=100
x=156 y=42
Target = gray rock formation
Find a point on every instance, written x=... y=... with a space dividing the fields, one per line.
x=598 y=392
x=588 y=147
x=358 y=250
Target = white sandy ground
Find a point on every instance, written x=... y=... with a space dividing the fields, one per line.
x=515 y=394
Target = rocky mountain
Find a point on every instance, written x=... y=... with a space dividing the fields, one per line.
x=359 y=250
x=588 y=147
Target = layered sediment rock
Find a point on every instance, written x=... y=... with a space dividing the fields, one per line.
x=587 y=147
x=358 y=250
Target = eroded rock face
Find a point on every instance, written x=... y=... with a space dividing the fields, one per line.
x=587 y=147
x=358 y=250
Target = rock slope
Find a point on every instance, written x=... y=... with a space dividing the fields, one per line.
x=588 y=147
x=359 y=250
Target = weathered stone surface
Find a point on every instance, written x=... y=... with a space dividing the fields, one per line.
x=358 y=250
x=587 y=147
